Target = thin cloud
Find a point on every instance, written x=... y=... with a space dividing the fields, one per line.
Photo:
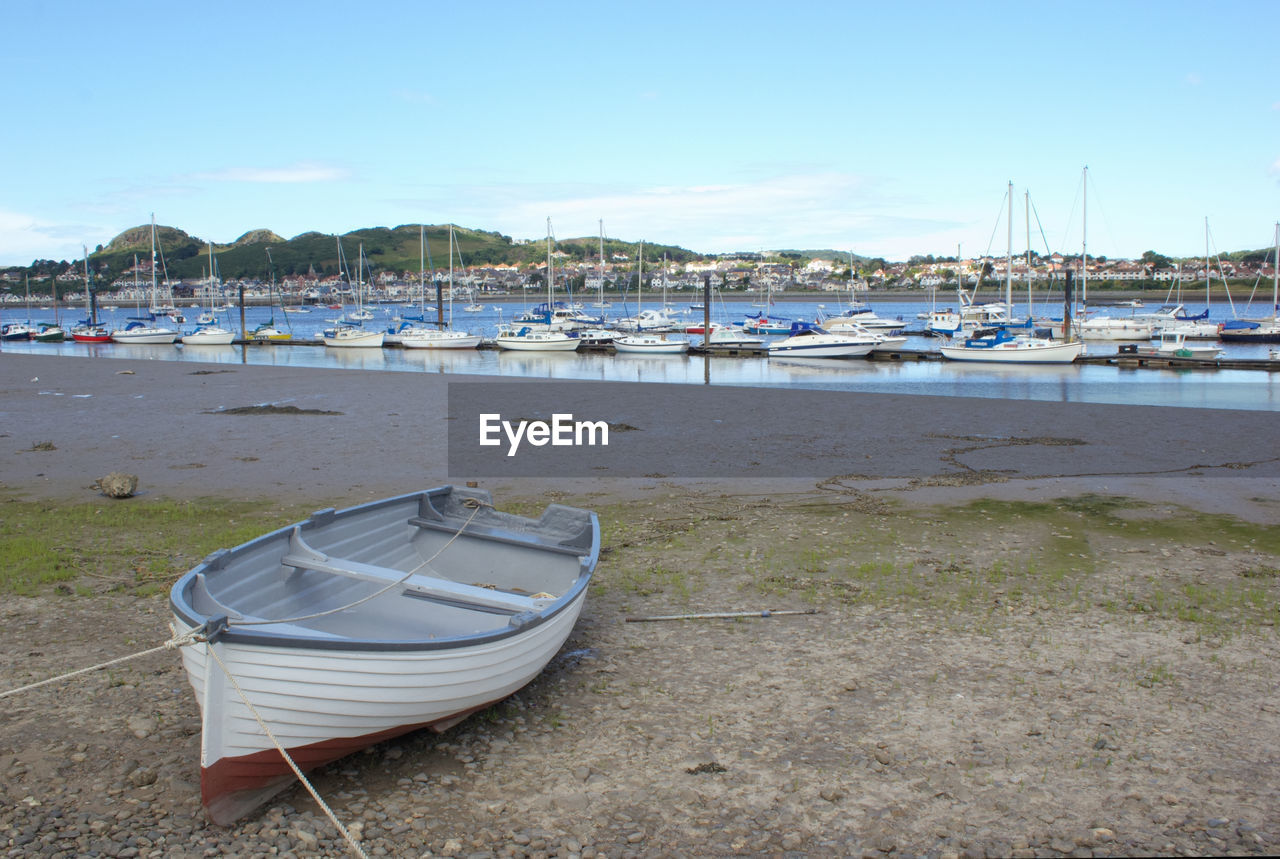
x=1193 y=79
x=803 y=210
x=27 y=237
x=296 y=174
x=415 y=96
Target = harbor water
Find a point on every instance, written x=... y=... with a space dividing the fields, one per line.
x=1210 y=388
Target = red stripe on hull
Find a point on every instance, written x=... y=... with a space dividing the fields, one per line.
x=232 y=787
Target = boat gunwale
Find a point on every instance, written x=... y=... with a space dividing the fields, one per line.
x=261 y=635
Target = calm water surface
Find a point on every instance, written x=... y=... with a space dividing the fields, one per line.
x=1214 y=389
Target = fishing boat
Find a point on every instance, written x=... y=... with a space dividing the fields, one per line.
x=1172 y=343
x=812 y=341
x=356 y=626
x=16 y=331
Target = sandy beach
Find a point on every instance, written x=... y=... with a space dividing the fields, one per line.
x=1007 y=658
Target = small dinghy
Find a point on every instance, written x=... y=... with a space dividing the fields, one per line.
x=359 y=625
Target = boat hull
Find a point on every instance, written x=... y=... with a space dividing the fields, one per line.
x=815 y=347
x=643 y=345
x=323 y=705
x=439 y=607
x=440 y=340
x=209 y=338
x=357 y=340
x=1051 y=353
x=538 y=344
x=147 y=337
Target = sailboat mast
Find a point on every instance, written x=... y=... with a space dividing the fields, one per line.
x=1206 y=260
x=1028 y=202
x=601 y=293
x=1275 y=276
x=1008 y=260
x=88 y=289
x=451 y=275
x=1084 y=239
x=153 y=260
x=422 y=267
x=640 y=279
x=549 y=273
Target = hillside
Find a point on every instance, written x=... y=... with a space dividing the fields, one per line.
x=261 y=253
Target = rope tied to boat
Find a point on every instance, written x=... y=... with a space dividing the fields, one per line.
x=476 y=506
x=189 y=637
x=324 y=806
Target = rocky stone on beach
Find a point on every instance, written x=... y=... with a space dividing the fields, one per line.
x=118 y=484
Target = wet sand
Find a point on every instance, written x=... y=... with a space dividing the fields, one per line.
x=958 y=692
x=343 y=436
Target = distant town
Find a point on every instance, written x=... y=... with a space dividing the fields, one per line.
x=128 y=277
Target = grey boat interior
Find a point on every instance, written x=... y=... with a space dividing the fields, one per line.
x=458 y=569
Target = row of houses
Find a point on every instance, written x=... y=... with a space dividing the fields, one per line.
x=724 y=273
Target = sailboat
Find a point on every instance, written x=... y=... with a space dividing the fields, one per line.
x=600 y=303
x=645 y=321
x=422 y=337
x=347 y=333
x=267 y=332
x=13 y=331
x=523 y=337
x=653 y=342
x=144 y=330
x=209 y=333
x=88 y=330
x=1004 y=346
x=51 y=332
x=1102 y=327
x=1258 y=330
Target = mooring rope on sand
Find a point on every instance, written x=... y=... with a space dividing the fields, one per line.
x=172 y=644
x=198 y=635
x=333 y=818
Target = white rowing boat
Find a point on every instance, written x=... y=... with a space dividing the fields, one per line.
x=359 y=625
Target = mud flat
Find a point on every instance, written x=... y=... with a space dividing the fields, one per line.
x=1002 y=661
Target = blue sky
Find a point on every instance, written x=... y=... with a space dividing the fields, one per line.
x=886 y=129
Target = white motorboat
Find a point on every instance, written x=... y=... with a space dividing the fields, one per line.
x=431 y=338
x=360 y=625
x=731 y=337
x=810 y=340
x=1172 y=343
x=522 y=338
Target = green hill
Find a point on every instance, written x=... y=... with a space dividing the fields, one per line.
x=261 y=253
